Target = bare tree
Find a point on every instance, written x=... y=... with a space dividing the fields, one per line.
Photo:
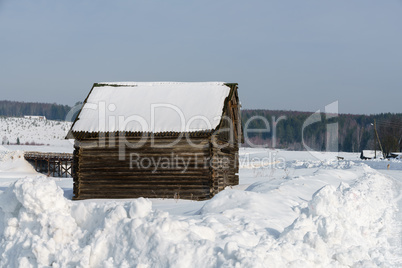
x=390 y=133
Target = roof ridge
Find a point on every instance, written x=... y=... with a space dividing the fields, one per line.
x=152 y=83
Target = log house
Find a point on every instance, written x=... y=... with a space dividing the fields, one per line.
x=130 y=140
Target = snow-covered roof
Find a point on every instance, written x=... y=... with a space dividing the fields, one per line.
x=371 y=154
x=397 y=155
x=153 y=107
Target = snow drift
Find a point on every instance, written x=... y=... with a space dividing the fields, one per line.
x=343 y=226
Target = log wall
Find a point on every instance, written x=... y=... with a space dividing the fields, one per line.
x=225 y=161
x=183 y=171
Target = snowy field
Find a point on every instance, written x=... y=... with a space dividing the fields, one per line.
x=290 y=210
x=49 y=134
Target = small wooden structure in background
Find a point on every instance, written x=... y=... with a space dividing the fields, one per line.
x=51 y=164
x=151 y=154
x=371 y=154
x=37 y=117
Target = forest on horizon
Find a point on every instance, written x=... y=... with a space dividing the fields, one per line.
x=283 y=129
x=355 y=132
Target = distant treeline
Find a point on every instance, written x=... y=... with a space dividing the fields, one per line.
x=355 y=132
x=52 y=111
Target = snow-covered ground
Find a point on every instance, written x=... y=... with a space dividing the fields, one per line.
x=290 y=210
x=32 y=132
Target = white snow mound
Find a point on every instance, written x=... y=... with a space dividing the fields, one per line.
x=339 y=227
x=36 y=225
x=14 y=161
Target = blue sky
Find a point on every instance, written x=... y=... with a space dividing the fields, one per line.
x=285 y=54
